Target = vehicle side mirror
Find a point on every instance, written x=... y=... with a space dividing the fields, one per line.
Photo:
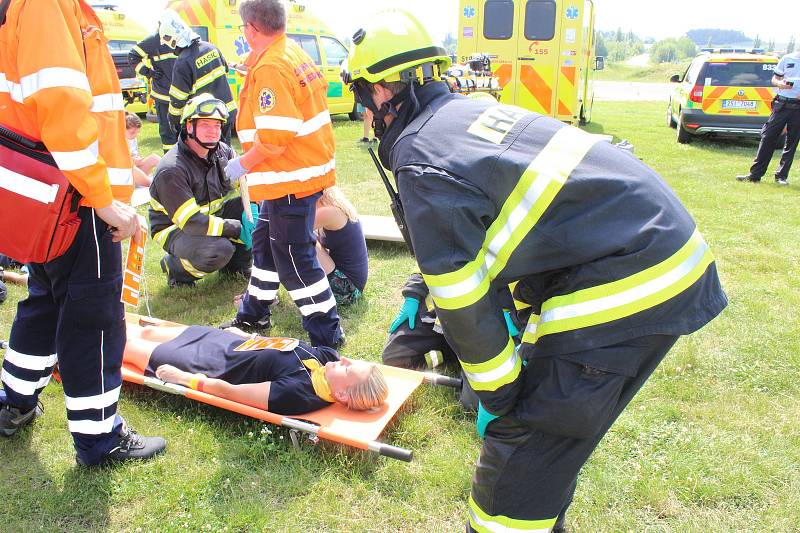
x=599 y=63
x=675 y=78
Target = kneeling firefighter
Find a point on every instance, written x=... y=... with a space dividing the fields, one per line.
x=196 y=214
x=611 y=262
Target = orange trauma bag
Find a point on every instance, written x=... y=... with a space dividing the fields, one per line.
x=38 y=206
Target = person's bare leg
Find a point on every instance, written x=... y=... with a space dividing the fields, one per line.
x=137 y=352
x=253 y=394
x=15 y=278
x=161 y=333
x=140 y=178
x=147 y=164
x=325 y=260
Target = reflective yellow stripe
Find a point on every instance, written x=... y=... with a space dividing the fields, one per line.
x=630 y=295
x=177 y=93
x=485 y=523
x=529 y=335
x=500 y=370
x=161 y=236
x=156 y=206
x=231 y=105
x=157 y=96
x=163 y=57
x=192 y=270
x=204 y=80
x=185 y=212
x=136 y=48
x=174 y=110
x=215 y=226
x=533 y=194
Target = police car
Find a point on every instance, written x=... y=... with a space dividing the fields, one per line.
x=722 y=93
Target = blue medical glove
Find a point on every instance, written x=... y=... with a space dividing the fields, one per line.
x=407 y=312
x=483 y=420
x=246 y=235
x=512 y=329
x=234 y=169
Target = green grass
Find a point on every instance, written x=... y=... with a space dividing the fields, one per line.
x=652 y=73
x=712 y=442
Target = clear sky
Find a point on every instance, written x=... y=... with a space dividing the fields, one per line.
x=647 y=18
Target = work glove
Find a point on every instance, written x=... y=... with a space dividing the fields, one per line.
x=483 y=420
x=156 y=74
x=234 y=169
x=407 y=312
x=512 y=329
x=246 y=234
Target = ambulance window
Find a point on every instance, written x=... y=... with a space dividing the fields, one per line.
x=335 y=53
x=309 y=45
x=540 y=20
x=498 y=19
x=202 y=31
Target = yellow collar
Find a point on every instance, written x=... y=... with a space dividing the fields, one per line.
x=318 y=381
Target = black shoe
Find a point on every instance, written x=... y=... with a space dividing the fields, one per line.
x=782 y=182
x=260 y=327
x=748 y=177
x=12 y=419
x=131 y=446
x=364 y=140
x=173 y=283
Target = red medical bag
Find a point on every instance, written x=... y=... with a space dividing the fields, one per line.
x=38 y=206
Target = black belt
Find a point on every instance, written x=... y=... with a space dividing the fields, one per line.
x=780 y=98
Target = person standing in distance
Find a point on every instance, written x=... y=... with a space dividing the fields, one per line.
x=286 y=132
x=59 y=86
x=785 y=115
x=612 y=264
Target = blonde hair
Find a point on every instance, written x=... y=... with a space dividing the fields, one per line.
x=334 y=197
x=370 y=393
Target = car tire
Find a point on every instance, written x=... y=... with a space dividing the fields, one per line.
x=683 y=136
x=355 y=115
x=670 y=119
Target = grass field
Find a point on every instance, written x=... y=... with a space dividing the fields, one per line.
x=712 y=443
x=652 y=73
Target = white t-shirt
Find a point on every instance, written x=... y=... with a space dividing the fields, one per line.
x=133 y=146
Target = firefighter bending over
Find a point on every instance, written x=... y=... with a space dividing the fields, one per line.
x=604 y=252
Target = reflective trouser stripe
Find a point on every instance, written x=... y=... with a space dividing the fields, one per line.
x=30 y=362
x=534 y=193
x=312 y=290
x=92 y=427
x=485 y=523
x=267 y=276
x=500 y=370
x=192 y=270
x=265 y=295
x=434 y=358
x=630 y=295
x=321 y=307
x=161 y=236
x=99 y=401
x=21 y=386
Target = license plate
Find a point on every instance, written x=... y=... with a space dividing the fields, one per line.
x=739 y=104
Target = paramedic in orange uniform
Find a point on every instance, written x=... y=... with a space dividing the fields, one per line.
x=286 y=132
x=58 y=85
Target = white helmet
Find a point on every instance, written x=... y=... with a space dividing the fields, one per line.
x=174 y=31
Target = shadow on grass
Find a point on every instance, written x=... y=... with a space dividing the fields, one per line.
x=81 y=505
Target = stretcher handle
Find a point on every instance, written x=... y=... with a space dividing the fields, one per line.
x=444 y=381
x=394 y=452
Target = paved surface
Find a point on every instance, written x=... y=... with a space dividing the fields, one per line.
x=618 y=91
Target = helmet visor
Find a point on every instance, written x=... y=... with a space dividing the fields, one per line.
x=209 y=108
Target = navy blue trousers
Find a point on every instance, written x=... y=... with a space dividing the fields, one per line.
x=73 y=316
x=284 y=253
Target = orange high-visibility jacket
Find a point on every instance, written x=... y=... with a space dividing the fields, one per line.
x=58 y=84
x=283 y=103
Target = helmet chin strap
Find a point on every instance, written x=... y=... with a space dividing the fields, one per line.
x=387 y=108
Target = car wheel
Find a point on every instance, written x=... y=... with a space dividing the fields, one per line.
x=670 y=119
x=355 y=114
x=683 y=136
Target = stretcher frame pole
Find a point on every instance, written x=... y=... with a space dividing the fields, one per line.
x=314 y=431
x=432 y=378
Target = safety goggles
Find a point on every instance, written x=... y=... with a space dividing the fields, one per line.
x=211 y=107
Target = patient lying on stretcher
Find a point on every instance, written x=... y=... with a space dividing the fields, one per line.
x=284 y=376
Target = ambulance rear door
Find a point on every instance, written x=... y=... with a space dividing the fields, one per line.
x=487 y=27
x=570 y=60
x=537 y=36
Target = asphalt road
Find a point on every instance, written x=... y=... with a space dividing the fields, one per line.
x=618 y=91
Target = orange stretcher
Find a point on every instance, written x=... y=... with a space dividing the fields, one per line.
x=335 y=422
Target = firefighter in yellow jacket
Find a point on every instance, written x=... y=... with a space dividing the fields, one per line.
x=286 y=131
x=58 y=85
x=612 y=264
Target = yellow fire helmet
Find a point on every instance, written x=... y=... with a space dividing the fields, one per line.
x=205 y=105
x=394 y=46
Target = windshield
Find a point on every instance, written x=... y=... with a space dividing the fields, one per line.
x=737 y=74
x=120 y=46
